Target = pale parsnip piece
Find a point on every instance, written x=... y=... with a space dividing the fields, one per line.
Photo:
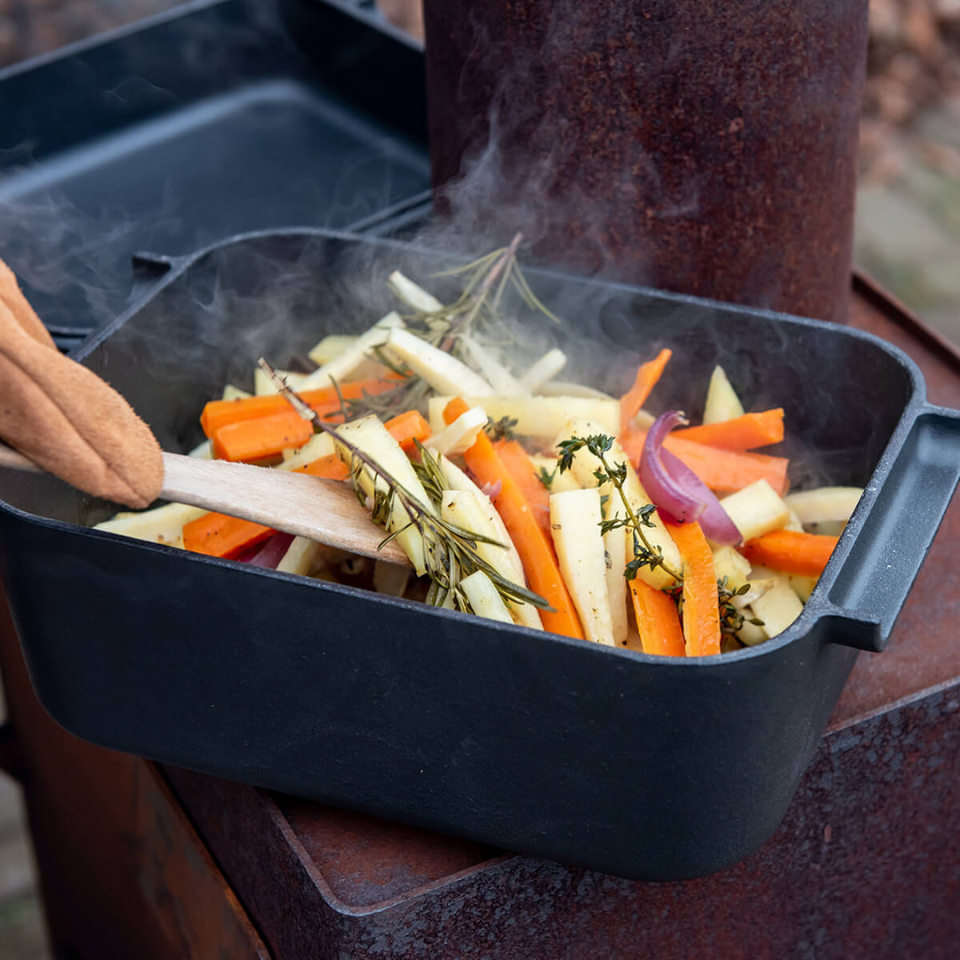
x=344 y=364
x=456 y=479
x=230 y=392
x=794 y=523
x=202 y=451
x=443 y=371
x=584 y=466
x=319 y=445
x=825 y=504
x=575 y=525
x=536 y=416
x=459 y=435
x=802 y=586
x=561 y=482
x=161 y=525
x=750 y=633
x=263 y=386
x=761 y=580
x=504 y=383
x=563 y=388
x=722 y=400
x=330 y=347
x=615 y=546
x=484 y=599
x=471 y=509
x=829 y=528
x=301 y=557
x=373 y=438
x=756 y=510
x=642 y=421
x=412 y=294
x=390 y=578
x=546 y=368
x=733 y=565
x=778 y=607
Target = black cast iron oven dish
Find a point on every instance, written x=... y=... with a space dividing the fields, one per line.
x=647 y=768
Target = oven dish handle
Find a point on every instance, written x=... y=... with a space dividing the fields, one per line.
x=883 y=561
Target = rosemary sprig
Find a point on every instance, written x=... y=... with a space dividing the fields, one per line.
x=479 y=302
x=644 y=553
x=450 y=552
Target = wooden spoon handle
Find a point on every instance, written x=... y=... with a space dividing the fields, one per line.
x=321 y=510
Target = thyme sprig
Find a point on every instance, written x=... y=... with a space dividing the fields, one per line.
x=450 y=552
x=546 y=477
x=731 y=616
x=645 y=554
x=502 y=429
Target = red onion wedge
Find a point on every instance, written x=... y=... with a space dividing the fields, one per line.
x=272 y=552
x=676 y=490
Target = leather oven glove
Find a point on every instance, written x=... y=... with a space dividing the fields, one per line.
x=64 y=417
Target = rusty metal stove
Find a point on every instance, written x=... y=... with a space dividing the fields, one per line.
x=703 y=146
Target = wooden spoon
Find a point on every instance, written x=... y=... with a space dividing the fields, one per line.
x=323 y=510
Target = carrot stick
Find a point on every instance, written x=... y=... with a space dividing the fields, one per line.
x=408 y=427
x=701 y=602
x=261 y=438
x=534 y=546
x=741 y=433
x=330 y=467
x=791 y=551
x=219 y=413
x=718 y=469
x=658 y=622
x=217 y=535
x=646 y=379
x=520 y=467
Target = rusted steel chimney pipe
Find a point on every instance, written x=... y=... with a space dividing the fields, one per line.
x=704 y=146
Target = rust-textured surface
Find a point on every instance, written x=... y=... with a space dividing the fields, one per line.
x=704 y=146
x=864 y=864
x=123 y=872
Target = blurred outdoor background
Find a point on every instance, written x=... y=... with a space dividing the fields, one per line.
x=908 y=230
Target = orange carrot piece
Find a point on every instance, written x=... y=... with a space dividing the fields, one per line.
x=520 y=467
x=330 y=467
x=261 y=438
x=791 y=551
x=701 y=601
x=646 y=379
x=534 y=546
x=217 y=535
x=408 y=427
x=658 y=622
x=220 y=413
x=741 y=433
x=718 y=469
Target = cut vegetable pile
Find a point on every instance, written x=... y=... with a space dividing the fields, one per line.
x=517 y=497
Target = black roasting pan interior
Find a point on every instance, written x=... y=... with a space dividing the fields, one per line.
x=641 y=767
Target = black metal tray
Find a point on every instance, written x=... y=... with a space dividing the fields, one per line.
x=184 y=130
x=635 y=766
